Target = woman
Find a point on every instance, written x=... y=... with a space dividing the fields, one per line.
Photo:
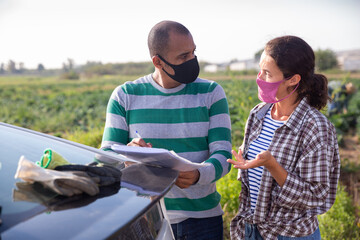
x=289 y=161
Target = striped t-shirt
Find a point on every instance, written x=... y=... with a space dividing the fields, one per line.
x=192 y=120
x=260 y=144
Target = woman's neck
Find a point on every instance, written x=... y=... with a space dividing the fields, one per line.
x=282 y=110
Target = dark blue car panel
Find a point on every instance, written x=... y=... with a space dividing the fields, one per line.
x=78 y=217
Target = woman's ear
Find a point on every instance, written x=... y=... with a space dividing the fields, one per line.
x=295 y=80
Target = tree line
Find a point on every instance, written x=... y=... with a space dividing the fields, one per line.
x=325 y=59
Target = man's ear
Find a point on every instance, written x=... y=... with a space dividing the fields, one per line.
x=157 y=62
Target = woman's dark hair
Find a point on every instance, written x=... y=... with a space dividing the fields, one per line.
x=294 y=56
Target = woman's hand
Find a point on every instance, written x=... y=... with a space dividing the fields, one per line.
x=240 y=161
x=262 y=159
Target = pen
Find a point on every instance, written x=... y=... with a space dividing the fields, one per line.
x=137 y=134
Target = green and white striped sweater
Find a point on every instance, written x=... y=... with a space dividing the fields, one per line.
x=191 y=119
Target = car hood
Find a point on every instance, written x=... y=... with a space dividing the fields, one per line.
x=29 y=211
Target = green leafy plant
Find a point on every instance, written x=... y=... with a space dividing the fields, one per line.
x=340 y=221
x=229 y=188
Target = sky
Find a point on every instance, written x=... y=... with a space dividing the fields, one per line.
x=115 y=31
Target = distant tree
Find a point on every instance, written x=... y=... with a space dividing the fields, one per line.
x=325 y=59
x=68 y=70
x=257 y=55
x=21 y=68
x=40 y=67
x=2 y=68
x=71 y=63
x=11 y=67
x=130 y=68
x=92 y=63
x=64 y=67
x=67 y=67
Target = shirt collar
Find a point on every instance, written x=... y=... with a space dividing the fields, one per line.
x=296 y=118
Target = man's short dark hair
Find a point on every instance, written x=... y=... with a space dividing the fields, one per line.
x=159 y=36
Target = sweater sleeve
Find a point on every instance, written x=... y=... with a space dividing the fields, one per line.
x=116 y=128
x=219 y=138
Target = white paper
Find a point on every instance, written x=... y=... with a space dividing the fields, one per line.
x=156 y=156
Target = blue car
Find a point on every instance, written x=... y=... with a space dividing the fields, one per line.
x=131 y=209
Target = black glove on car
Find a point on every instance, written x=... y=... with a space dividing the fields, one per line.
x=104 y=175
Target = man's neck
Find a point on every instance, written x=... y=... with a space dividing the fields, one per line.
x=164 y=81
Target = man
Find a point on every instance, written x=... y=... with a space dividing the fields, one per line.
x=340 y=95
x=174 y=109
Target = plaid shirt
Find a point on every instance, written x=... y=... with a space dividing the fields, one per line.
x=306 y=146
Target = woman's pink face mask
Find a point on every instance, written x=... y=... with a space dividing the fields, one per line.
x=267 y=90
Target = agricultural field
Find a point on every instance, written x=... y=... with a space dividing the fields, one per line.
x=75 y=110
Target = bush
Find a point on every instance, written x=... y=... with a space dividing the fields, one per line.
x=71 y=75
x=229 y=188
x=343 y=124
x=91 y=138
x=325 y=59
x=340 y=221
x=242 y=97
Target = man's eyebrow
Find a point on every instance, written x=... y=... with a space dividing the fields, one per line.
x=188 y=52
x=184 y=54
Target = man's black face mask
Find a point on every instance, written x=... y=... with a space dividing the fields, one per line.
x=186 y=72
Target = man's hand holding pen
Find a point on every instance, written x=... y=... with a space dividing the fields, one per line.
x=184 y=180
x=139 y=142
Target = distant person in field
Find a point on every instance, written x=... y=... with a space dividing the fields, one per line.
x=289 y=161
x=173 y=108
x=340 y=95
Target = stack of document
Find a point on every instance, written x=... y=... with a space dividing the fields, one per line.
x=156 y=156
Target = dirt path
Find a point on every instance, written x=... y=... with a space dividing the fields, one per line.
x=351 y=149
x=350 y=160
